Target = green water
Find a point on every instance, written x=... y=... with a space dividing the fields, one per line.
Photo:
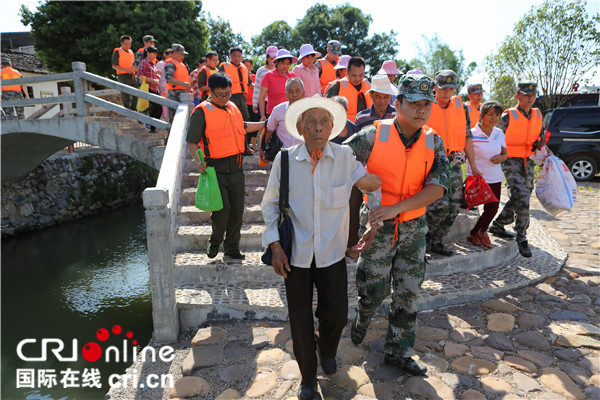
x=67 y=282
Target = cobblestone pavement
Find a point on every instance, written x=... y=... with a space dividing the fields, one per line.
x=538 y=342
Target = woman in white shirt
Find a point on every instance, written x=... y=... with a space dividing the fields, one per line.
x=490 y=151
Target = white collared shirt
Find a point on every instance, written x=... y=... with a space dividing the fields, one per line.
x=318 y=203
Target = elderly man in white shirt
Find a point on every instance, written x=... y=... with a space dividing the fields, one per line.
x=321 y=176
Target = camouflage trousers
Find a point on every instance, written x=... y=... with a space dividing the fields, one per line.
x=174 y=95
x=9 y=111
x=400 y=266
x=442 y=213
x=519 y=180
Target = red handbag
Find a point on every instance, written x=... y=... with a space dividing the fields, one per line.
x=478 y=192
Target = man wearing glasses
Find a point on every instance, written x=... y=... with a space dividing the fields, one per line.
x=224 y=150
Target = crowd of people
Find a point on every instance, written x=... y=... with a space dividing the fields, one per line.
x=375 y=171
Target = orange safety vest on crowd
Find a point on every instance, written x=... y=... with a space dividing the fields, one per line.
x=224 y=135
x=450 y=124
x=10 y=73
x=522 y=133
x=209 y=72
x=126 y=59
x=250 y=90
x=181 y=73
x=348 y=91
x=327 y=73
x=402 y=171
x=234 y=73
x=473 y=114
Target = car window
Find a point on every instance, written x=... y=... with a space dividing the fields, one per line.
x=580 y=121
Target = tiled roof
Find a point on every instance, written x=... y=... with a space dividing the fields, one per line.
x=25 y=62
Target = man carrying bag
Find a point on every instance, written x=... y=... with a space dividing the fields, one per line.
x=216 y=126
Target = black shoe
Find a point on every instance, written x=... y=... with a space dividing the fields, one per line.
x=441 y=249
x=524 y=249
x=407 y=364
x=357 y=335
x=235 y=254
x=248 y=153
x=212 y=251
x=308 y=391
x=328 y=365
x=499 y=231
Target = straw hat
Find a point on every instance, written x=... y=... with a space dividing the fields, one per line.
x=297 y=108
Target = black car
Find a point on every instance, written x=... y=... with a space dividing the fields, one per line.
x=575 y=138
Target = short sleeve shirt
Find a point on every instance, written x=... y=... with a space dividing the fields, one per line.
x=310 y=79
x=485 y=148
x=275 y=83
x=276 y=123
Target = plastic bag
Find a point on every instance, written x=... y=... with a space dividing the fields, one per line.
x=478 y=192
x=208 y=195
x=539 y=156
x=556 y=188
x=143 y=104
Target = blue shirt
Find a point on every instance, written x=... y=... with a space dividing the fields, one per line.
x=366 y=117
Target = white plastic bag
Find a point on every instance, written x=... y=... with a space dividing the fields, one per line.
x=539 y=156
x=556 y=188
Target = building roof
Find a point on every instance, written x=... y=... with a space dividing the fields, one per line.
x=14 y=40
x=24 y=62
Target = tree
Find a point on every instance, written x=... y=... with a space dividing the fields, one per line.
x=556 y=45
x=503 y=91
x=222 y=38
x=439 y=56
x=278 y=33
x=89 y=31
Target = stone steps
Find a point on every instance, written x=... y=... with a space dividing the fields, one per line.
x=249 y=163
x=255 y=177
x=196 y=268
x=242 y=299
x=254 y=195
x=192 y=215
x=194 y=237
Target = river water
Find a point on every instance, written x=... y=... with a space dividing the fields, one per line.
x=66 y=283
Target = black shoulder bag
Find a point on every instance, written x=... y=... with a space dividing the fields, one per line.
x=284 y=225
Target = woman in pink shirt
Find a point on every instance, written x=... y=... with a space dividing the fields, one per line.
x=307 y=71
x=273 y=83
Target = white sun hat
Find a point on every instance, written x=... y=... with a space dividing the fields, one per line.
x=306 y=50
x=297 y=108
x=381 y=84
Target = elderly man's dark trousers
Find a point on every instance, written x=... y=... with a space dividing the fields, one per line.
x=332 y=312
x=228 y=221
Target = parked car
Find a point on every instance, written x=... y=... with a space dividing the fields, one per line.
x=575 y=138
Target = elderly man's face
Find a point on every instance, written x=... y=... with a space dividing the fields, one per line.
x=316 y=126
x=356 y=74
x=294 y=92
x=380 y=101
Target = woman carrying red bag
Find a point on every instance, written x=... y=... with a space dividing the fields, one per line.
x=490 y=151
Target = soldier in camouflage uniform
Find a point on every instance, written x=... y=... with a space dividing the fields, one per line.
x=176 y=84
x=396 y=258
x=519 y=168
x=12 y=92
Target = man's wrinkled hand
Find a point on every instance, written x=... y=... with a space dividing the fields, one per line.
x=280 y=260
x=366 y=239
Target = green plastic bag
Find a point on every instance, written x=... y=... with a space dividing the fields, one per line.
x=208 y=195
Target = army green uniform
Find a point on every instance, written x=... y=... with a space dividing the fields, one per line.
x=518 y=173
x=400 y=266
x=172 y=94
x=13 y=95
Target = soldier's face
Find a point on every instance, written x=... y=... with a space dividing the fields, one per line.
x=443 y=96
x=316 y=126
x=526 y=100
x=475 y=97
x=413 y=114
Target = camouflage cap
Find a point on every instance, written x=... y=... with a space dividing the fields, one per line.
x=446 y=79
x=527 y=87
x=334 y=47
x=416 y=87
x=179 y=48
x=6 y=60
x=475 y=88
x=149 y=38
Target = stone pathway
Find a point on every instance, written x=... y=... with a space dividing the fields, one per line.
x=538 y=342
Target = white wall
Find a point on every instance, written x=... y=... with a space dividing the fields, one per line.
x=50 y=87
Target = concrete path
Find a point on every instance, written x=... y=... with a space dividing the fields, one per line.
x=537 y=342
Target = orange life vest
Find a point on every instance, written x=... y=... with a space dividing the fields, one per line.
x=181 y=73
x=402 y=171
x=209 y=72
x=473 y=114
x=126 y=59
x=450 y=124
x=11 y=73
x=224 y=135
x=237 y=85
x=522 y=133
x=348 y=91
x=250 y=90
x=327 y=72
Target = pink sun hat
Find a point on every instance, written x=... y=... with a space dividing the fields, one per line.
x=389 y=68
x=272 y=51
x=342 y=62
